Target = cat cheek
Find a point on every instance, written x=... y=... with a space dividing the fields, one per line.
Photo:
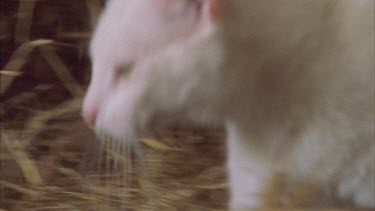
x=121 y=83
x=116 y=117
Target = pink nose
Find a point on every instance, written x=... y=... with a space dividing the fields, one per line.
x=89 y=116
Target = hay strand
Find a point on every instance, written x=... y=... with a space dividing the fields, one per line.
x=28 y=167
x=155 y=144
x=17 y=60
x=24 y=21
x=61 y=70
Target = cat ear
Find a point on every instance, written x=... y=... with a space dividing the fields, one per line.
x=214 y=8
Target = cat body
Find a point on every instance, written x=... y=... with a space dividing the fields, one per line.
x=292 y=81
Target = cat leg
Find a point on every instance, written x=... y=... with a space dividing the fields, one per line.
x=358 y=182
x=249 y=170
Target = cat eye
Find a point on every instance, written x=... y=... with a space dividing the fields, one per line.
x=122 y=71
x=125 y=69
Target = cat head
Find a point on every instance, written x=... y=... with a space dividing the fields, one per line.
x=128 y=31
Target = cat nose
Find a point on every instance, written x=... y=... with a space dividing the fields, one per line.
x=89 y=116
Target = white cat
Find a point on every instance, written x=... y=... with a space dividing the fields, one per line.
x=292 y=80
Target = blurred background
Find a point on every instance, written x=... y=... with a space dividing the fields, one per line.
x=50 y=160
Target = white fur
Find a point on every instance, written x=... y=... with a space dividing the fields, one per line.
x=292 y=80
